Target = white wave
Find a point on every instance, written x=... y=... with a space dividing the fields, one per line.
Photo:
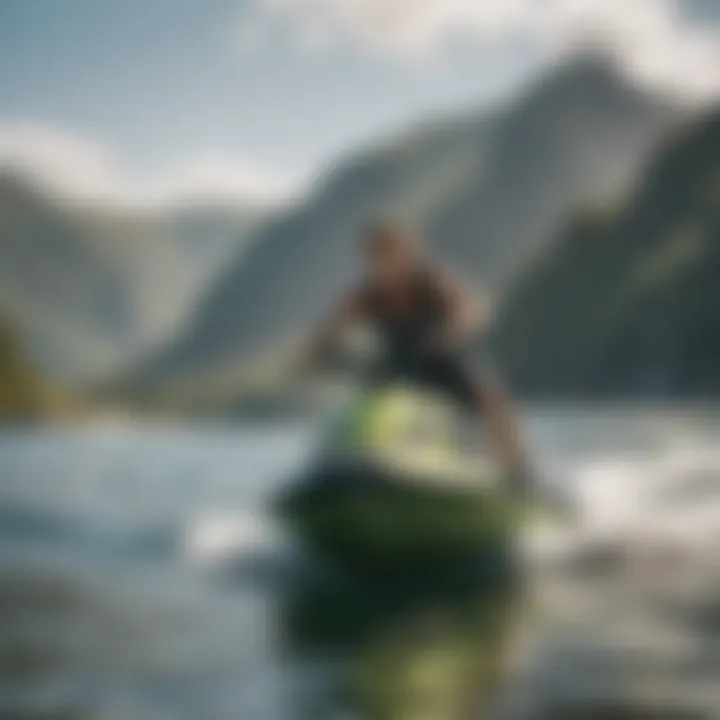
x=222 y=536
x=645 y=503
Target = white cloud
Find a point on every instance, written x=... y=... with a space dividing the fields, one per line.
x=83 y=169
x=653 y=38
x=59 y=160
x=212 y=177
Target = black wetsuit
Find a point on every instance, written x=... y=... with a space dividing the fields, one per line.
x=410 y=339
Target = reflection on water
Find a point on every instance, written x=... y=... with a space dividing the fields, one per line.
x=401 y=652
x=139 y=578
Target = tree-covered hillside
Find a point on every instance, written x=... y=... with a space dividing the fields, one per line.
x=628 y=304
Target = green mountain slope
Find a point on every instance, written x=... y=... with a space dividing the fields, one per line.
x=92 y=288
x=628 y=304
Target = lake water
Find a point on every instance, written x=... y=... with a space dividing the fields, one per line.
x=140 y=578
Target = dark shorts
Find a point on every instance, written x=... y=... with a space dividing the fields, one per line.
x=448 y=374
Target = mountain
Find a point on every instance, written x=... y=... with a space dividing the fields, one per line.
x=92 y=288
x=627 y=304
x=489 y=189
x=578 y=137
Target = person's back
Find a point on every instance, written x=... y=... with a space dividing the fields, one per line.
x=408 y=318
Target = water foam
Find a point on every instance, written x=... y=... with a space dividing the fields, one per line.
x=219 y=537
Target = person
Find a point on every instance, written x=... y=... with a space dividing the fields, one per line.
x=425 y=319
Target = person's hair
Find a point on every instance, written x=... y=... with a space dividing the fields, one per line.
x=389 y=233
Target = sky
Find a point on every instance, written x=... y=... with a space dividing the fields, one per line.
x=153 y=99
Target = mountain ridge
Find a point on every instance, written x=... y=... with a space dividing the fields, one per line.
x=437 y=179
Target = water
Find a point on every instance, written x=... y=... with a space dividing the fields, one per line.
x=140 y=577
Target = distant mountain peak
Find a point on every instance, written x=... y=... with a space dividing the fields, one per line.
x=589 y=75
x=589 y=67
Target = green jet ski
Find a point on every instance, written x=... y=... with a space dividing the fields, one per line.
x=394 y=489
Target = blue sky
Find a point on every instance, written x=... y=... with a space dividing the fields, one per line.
x=259 y=94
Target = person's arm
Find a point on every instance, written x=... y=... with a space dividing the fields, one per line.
x=340 y=319
x=468 y=315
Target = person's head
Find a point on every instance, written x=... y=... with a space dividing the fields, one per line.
x=391 y=250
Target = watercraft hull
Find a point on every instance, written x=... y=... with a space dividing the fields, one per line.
x=367 y=514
